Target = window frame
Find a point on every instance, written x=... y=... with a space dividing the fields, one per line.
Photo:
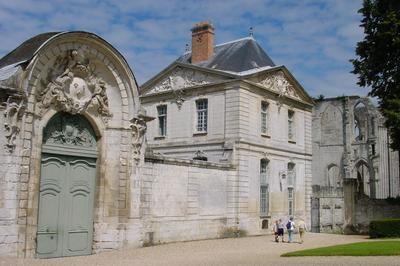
x=264 y=118
x=291 y=175
x=291 y=125
x=264 y=187
x=164 y=116
x=201 y=127
x=290 y=201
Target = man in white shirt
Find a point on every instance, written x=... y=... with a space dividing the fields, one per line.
x=290 y=228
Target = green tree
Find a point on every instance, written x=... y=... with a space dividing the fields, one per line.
x=378 y=60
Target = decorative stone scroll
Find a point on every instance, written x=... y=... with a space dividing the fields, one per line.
x=72 y=86
x=278 y=83
x=12 y=113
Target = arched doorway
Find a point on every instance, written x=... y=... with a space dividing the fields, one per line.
x=363 y=179
x=67 y=187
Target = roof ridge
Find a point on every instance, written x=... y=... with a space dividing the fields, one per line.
x=225 y=43
x=237 y=40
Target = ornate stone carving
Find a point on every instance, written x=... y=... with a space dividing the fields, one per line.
x=70 y=130
x=72 y=86
x=182 y=78
x=200 y=155
x=179 y=99
x=138 y=126
x=278 y=82
x=12 y=113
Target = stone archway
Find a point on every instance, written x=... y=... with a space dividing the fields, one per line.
x=363 y=178
x=67 y=187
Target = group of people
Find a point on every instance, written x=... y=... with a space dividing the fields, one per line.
x=279 y=230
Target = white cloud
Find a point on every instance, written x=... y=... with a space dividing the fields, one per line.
x=313 y=38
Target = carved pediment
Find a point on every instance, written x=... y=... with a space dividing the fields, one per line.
x=71 y=85
x=180 y=78
x=278 y=82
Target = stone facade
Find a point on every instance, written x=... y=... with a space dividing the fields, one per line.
x=80 y=74
x=351 y=160
x=234 y=135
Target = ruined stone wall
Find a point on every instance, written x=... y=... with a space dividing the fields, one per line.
x=349 y=137
x=367 y=209
x=331 y=208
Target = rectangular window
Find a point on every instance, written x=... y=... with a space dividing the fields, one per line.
x=264 y=187
x=291 y=125
x=291 y=179
x=264 y=118
x=291 y=174
x=264 y=200
x=202 y=113
x=290 y=201
x=162 y=120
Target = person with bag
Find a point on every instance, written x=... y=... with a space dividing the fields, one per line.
x=290 y=226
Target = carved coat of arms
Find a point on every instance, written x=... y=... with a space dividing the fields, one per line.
x=280 y=84
x=72 y=86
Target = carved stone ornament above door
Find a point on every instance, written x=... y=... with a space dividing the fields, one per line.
x=69 y=130
x=72 y=86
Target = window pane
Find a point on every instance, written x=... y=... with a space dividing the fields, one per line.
x=264 y=117
x=290 y=193
x=162 y=120
x=202 y=106
x=291 y=124
x=291 y=174
x=264 y=195
x=263 y=171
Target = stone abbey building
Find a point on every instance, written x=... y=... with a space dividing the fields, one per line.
x=354 y=169
x=218 y=143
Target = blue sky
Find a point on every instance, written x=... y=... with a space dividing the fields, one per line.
x=314 y=39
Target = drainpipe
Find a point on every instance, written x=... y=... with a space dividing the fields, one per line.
x=388 y=153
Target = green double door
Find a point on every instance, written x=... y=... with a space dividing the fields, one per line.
x=66 y=202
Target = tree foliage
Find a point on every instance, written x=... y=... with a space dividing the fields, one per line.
x=378 y=61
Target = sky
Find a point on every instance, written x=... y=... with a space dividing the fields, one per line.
x=314 y=39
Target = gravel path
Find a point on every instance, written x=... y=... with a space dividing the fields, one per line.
x=259 y=250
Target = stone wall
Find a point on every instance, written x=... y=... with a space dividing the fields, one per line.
x=9 y=184
x=185 y=200
x=367 y=209
x=331 y=208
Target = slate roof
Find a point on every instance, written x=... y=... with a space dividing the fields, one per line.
x=236 y=56
x=26 y=50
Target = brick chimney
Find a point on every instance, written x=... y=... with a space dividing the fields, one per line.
x=202 y=41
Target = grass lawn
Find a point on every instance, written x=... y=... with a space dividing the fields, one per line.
x=373 y=248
